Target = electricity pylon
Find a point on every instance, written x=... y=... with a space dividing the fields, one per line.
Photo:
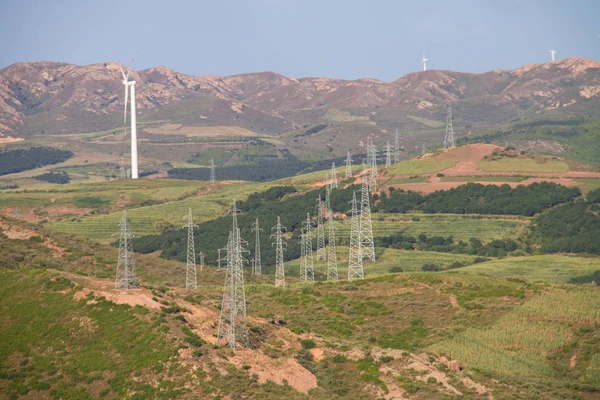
x=367 y=248
x=122 y=168
x=388 y=155
x=257 y=262
x=212 y=171
x=126 y=277
x=307 y=265
x=373 y=177
x=355 y=260
x=449 y=138
x=333 y=176
x=348 y=173
x=328 y=199
x=190 y=269
x=396 y=147
x=321 y=253
x=279 y=267
x=332 y=267
x=232 y=322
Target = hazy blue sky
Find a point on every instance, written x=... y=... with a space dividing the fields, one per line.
x=343 y=39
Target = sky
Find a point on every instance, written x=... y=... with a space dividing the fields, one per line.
x=302 y=38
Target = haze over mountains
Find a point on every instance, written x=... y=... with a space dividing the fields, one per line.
x=54 y=98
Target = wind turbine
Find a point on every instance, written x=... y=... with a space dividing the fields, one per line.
x=130 y=86
x=424 y=62
x=552 y=53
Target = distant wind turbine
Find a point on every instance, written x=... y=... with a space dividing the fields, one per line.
x=424 y=62
x=130 y=86
x=552 y=53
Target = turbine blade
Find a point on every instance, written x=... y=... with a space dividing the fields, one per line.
x=122 y=72
x=125 y=105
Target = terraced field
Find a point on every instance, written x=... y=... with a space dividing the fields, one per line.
x=523 y=166
x=419 y=166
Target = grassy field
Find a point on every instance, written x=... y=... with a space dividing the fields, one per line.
x=417 y=167
x=427 y=122
x=523 y=166
x=214 y=202
x=483 y=178
x=398 y=181
x=522 y=342
x=587 y=184
x=551 y=268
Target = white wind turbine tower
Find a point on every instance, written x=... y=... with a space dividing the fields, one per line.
x=552 y=53
x=424 y=62
x=130 y=86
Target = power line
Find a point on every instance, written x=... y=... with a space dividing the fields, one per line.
x=449 y=138
x=321 y=253
x=257 y=265
x=348 y=173
x=332 y=267
x=373 y=177
x=279 y=266
x=307 y=267
x=190 y=269
x=367 y=248
x=355 y=261
x=396 y=147
x=232 y=321
x=126 y=276
x=334 y=182
x=388 y=155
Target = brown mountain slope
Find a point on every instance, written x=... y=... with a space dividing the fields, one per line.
x=50 y=97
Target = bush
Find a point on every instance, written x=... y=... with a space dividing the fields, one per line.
x=307 y=344
x=396 y=269
x=430 y=268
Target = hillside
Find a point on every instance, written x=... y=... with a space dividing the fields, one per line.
x=48 y=98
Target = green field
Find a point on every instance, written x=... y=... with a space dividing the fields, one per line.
x=399 y=181
x=483 y=178
x=545 y=268
x=417 y=167
x=523 y=166
x=587 y=184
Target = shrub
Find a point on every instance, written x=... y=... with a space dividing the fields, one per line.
x=430 y=268
x=396 y=269
x=307 y=343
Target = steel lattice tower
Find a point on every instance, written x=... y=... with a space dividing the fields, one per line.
x=334 y=182
x=328 y=199
x=373 y=177
x=396 y=147
x=332 y=267
x=355 y=260
x=367 y=248
x=279 y=267
x=257 y=262
x=190 y=269
x=348 y=173
x=232 y=322
x=449 y=138
x=321 y=252
x=307 y=265
x=388 y=155
x=212 y=170
x=126 y=277
x=122 y=168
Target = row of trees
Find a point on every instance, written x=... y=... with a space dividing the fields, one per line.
x=12 y=161
x=474 y=198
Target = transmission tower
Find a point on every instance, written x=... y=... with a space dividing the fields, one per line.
x=334 y=182
x=307 y=266
x=279 y=267
x=332 y=267
x=373 y=177
x=388 y=155
x=355 y=260
x=367 y=248
x=348 y=173
x=321 y=252
x=212 y=171
x=328 y=200
x=17 y=213
x=257 y=262
x=190 y=269
x=449 y=138
x=126 y=277
x=396 y=147
x=122 y=168
x=232 y=322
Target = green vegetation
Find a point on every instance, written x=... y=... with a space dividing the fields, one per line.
x=12 y=161
x=417 y=167
x=483 y=178
x=523 y=166
x=60 y=178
